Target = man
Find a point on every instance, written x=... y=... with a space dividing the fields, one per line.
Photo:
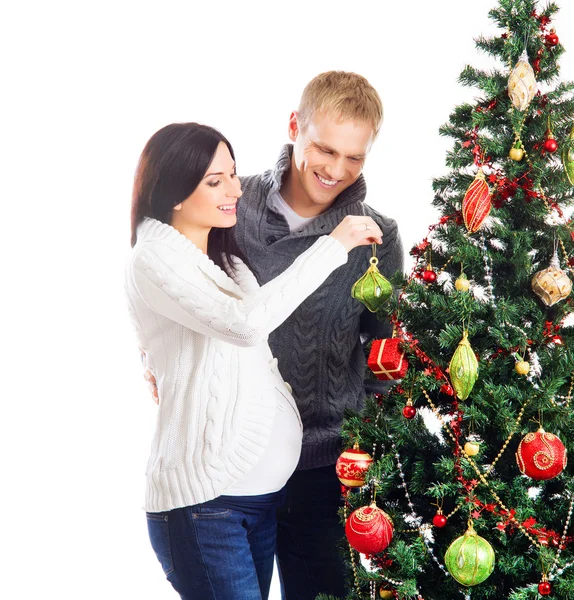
x=316 y=182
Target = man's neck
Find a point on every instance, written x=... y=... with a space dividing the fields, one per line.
x=296 y=197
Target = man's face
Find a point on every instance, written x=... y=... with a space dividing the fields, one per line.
x=328 y=157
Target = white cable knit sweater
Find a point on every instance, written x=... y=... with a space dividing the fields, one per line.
x=204 y=335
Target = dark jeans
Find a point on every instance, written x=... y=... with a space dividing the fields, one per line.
x=308 y=534
x=219 y=550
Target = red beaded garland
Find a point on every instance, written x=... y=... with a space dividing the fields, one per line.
x=541 y=455
x=369 y=529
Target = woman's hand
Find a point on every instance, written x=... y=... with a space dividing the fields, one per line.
x=355 y=231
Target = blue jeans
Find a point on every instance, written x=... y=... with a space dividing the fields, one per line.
x=309 y=536
x=219 y=550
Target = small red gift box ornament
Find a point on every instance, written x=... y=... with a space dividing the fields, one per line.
x=477 y=203
x=387 y=360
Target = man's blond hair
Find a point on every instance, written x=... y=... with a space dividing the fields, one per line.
x=347 y=96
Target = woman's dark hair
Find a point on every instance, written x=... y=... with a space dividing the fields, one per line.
x=171 y=166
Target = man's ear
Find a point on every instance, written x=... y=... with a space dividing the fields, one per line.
x=293 y=126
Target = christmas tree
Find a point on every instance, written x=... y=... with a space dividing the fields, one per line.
x=469 y=493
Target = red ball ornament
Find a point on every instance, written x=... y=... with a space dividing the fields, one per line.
x=352 y=466
x=552 y=38
x=550 y=145
x=429 y=275
x=541 y=455
x=409 y=411
x=369 y=529
x=439 y=520
x=544 y=588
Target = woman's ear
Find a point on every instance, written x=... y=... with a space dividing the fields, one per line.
x=177 y=206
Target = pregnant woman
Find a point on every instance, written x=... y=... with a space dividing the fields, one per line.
x=228 y=433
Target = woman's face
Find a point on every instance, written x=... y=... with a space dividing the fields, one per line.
x=213 y=202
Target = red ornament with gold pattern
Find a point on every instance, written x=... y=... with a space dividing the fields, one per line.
x=369 y=529
x=477 y=203
x=352 y=466
x=541 y=455
x=387 y=360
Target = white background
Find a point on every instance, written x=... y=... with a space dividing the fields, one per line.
x=84 y=87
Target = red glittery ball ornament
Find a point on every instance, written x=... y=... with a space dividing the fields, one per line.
x=541 y=455
x=369 y=529
x=409 y=411
x=352 y=465
x=552 y=38
x=550 y=145
x=439 y=520
x=429 y=275
x=544 y=588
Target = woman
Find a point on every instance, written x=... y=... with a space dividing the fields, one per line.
x=228 y=433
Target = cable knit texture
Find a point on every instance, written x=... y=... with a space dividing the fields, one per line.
x=320 y=346
x=205 y=338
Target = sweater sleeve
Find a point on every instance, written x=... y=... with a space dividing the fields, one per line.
x=169 y=284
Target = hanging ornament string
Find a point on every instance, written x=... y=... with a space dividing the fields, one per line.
x=566 y=398
x=554 y=569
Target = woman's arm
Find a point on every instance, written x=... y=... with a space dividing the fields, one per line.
x=171 y=285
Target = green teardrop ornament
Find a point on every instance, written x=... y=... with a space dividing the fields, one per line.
x=568 y=157
x=373 y=289
x=463 y=368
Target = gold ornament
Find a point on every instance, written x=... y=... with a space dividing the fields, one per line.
x=462 y=284
x=522 y=367
x=472 y=448
x=522 y=83
x=568 y=157
x=552 y=284
x=373 y=289
x=387 y=594
x=463 y=368
x=516 y=152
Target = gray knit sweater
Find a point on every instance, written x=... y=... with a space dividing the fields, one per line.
x=320 y=346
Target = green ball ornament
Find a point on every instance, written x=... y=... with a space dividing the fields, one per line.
x=373 y=289
x=470 y=558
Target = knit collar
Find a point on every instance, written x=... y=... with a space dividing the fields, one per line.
x=152 y=230
x=272 y=179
